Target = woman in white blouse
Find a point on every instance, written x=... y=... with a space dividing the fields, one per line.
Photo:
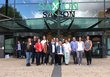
x=80 y=50
x=67 y=50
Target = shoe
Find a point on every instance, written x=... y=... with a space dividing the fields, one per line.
x=45 y=64
x=80 y=64
x=28 y=64
x=66 y=64
x=37 y=64
x=32 y=63
x=88 y=63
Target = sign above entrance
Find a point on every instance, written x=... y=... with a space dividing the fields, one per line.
x=56 y=5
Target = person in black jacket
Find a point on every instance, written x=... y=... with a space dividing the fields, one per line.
x=33 y=51
x=23 y=52
x=29 y=49
x=56 y=55
x=52 y=51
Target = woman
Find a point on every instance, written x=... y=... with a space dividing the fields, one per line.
x=38 y=48
x=29 y=49
x=67 y=50
x=18 y=49
x=80 y=50
x=88 y=53
x=46 y=52
x=60 y=51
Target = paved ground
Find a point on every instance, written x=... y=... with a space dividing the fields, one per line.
x=16 y=68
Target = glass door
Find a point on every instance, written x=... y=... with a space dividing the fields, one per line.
x=108 y=45
x=1 y=46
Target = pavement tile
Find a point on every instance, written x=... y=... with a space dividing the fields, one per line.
x=16 y=68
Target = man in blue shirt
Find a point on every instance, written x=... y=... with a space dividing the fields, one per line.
x=74 y=47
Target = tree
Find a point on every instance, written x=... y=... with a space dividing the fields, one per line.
x=11 y=12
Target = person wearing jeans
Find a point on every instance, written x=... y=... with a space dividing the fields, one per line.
x=28 y=57
x=74 y=47
x=18 y=49
x=29 y=49
x=80 y=50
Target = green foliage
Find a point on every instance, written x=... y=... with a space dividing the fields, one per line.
x=11 y=12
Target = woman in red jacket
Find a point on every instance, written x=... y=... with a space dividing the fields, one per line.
x=39 y=48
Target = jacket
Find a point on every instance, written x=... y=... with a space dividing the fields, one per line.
x=29 y=48
x=38 y=47
x=58 y=49
x=45 y=48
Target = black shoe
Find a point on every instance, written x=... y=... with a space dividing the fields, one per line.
x=66 y=64
x=32 y=63
x=59 y=64
x=88 y=64
x=28 y=64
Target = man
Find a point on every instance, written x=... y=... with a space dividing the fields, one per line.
x=33 y=52
x=56 y=55
x=52 y=51
x=42 y=53
x=74 y=47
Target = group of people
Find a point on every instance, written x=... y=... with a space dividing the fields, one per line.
x=20 y=49
x=57 y=51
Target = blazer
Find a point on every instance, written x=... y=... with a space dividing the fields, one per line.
x=50 y=48
x=38 y=47
x=58 y=49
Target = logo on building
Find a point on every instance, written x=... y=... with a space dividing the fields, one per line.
x=65 y=9
x=55 y=6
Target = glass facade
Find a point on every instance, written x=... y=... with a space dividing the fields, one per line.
x=34 y=13
x=70 y=15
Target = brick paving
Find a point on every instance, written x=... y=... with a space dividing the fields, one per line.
x=16 y=68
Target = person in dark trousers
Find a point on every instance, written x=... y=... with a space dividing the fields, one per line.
x=29 y=49
x=46 y=52
x=23 y=49
x=88 y=52
x=52 y=51
x=18 y=49
x=74 y=47
x=60 y=52
x=56 y=55
x=63 y=41
x=34 y=52
x=43 y=54
x=39 y=48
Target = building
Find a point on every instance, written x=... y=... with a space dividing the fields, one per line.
x=22 y=18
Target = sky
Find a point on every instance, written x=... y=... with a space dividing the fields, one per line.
x=28 y=10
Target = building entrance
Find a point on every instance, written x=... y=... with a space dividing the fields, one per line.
x=98 y=39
